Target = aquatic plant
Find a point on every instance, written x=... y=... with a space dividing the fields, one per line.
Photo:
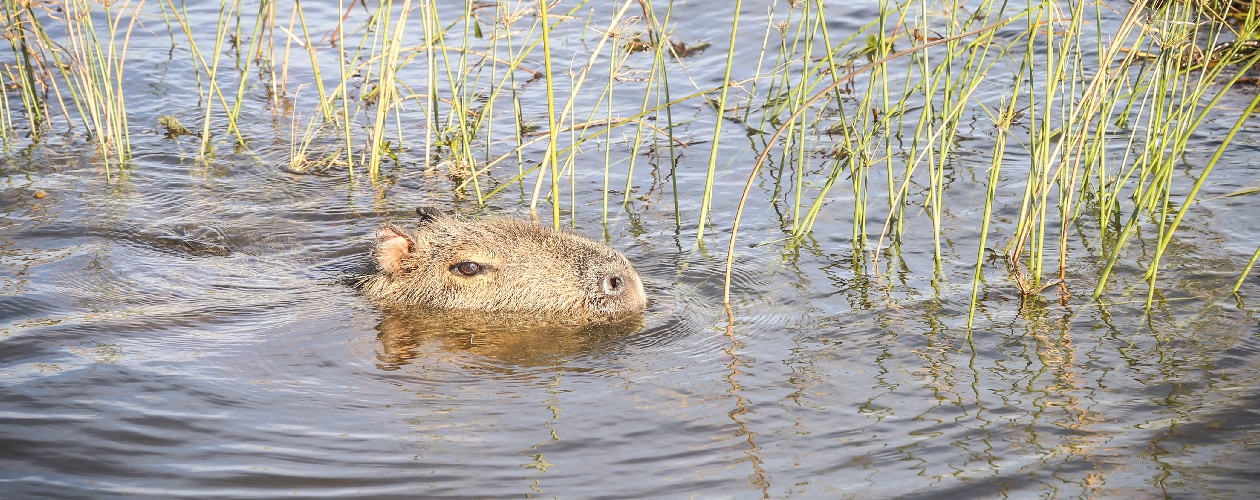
x=875 y=117
x=86 y=61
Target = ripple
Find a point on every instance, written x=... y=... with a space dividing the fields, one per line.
x=188 y=328
x=12 y=308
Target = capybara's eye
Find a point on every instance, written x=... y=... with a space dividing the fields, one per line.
x=467 y=268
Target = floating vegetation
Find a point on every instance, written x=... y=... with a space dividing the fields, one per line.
x=173 y=127
x=509 y=95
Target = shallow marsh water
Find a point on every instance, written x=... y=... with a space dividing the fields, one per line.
x=188 y=330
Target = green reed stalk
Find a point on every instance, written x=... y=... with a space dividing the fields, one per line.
x=785 y=95
x=658 y=78
x=374 y=36
x=1025 y=225
x=1171 y=95
x=829 y=66
x=761 y=59
x=773 y=107
x=518 y=120
x=933 y=134
x=221 y=34
x=508 y=83
x=463 y=92
x=930 y=80
x=7 y=132
x=387 y=89
x=761 y=159
x=1166 y=238
x=1051 y=112
x=637 y=137
x=372 y=40
x=635 y=150
x=211 y=69
x=344 y=71
x=1072 y=138
x=470 y=89
x=717 y=126
x=1246 y=271
x=24 y=36
x=1069 y=59
x=325 y=103
x=1003 y=121
x=235 y=111
x=45 y=49
x=459 y=140
x=280 y=86
x=655 y=37
x=553 y=134
x=42 y=49
x=860 y=133
x=549 y=158
x=509 y=78
x=608 y=116
x=576 y=89
x=807 y=27
x=880 y=87
x=487 y=113
x=265 y=50
x=1175 y=97
x=973 y=73
x=96 y=78
x=1093 y=150
x=616 y=58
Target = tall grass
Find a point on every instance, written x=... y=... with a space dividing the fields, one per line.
x=87 y=63
x=464 y=90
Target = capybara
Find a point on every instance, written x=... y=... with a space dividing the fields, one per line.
x=502 y=265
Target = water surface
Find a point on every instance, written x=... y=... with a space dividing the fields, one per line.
x=188 y=330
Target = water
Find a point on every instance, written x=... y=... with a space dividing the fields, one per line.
x=188 y=331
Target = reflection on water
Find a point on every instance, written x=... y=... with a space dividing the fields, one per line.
x=138 y=360
x=408 y=332
x=186 y=330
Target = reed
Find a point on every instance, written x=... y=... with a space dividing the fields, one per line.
x=211 y=68
x=1180 y=93
x=8 y=134
x=720 y=106
x=29 y=73
x=88 y=62
x=877 y=116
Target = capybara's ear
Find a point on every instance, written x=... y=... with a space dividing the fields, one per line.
x=428 y=214
x=392 y=246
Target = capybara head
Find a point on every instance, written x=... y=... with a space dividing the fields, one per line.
x=502 y=265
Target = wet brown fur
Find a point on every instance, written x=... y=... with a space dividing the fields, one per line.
x=522 y=266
